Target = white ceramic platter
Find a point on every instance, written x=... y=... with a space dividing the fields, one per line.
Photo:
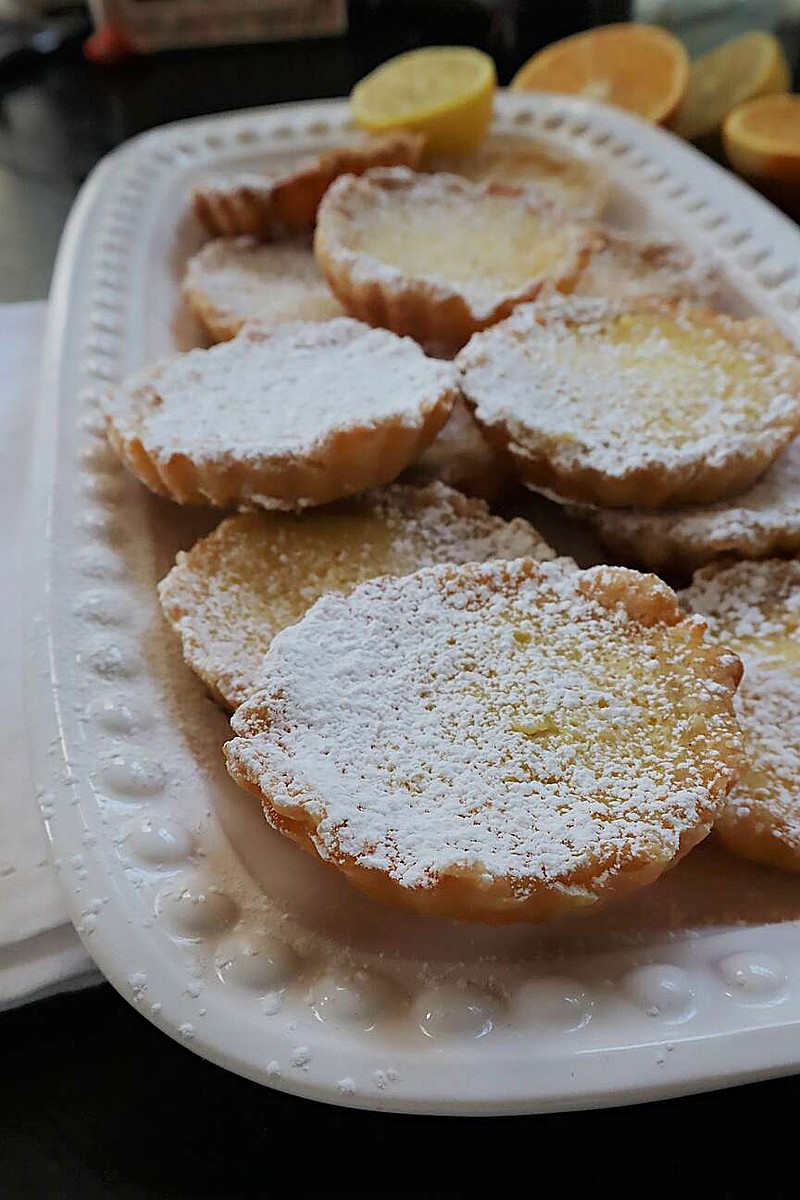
x=227 y=936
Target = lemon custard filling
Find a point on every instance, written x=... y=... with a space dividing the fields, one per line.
x=530 y=722
x=257 y=573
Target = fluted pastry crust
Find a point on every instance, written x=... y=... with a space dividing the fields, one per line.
x=286 y=418
x=439 y=258
x=645 y=403
x=493 y=742
x=267 y=207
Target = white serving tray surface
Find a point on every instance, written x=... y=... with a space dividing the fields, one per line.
x=221 y=932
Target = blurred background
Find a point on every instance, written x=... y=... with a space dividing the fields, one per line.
x=77 y=80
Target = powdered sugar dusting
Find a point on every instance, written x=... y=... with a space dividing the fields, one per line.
x=281 y=392
x=750 y=603
x=398 y=229
x=239 y=279
x=755 y=607
x=594 y=385
x=626 y=266
x=256 y=574
x=494 y=720
x=763 y=520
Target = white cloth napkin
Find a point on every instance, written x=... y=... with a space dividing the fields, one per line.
x=40 y=953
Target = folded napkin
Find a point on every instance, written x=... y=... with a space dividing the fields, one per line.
x=40 y=953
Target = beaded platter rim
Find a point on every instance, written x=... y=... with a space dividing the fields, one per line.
x=150 y=880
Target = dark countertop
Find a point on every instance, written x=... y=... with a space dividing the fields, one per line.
x=96 y=1102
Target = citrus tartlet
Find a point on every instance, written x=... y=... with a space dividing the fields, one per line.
x=289 y=417
x=754 y=607
x=269 y=206
x=759 y=522
x=493 y=742
x=231 y=281
x=640 y=403
x=256 y=573
x=629 y=266
x=410 y=252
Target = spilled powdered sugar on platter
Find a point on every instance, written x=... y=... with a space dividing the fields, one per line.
x=222 y=933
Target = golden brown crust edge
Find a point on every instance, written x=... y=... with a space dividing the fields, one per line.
x=648 y=488
x=364 y=458
x=456 y=898
x=467 y=897
x=287 y=205
x=538 y=461
x=434 y=314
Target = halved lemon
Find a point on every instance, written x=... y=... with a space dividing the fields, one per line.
x=444 y=92
x=741 y=69
x=641 y=68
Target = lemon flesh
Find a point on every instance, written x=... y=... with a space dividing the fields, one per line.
x=445 y=93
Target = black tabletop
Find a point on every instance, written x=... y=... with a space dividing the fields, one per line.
x=96 y=1102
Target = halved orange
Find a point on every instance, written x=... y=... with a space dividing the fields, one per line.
x=762 y=137
x=762 y=142
x=641 y=68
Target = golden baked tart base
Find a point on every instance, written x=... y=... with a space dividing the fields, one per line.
x=580 y=188
x=755 y=524
x=461 y=457
x=645 y=403
x=233 y=281
x=494 y=742
x=267 y=207
x=411 y=252
x=288 y=418
x=754 y=607
x=256 y=573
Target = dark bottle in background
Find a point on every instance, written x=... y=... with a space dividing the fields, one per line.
x=536 y=24
x=510 y=30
